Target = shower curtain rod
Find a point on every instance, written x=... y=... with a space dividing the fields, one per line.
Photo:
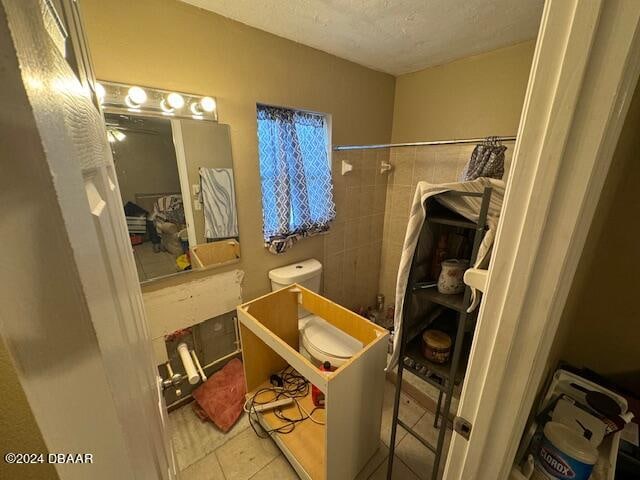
x=420 y=144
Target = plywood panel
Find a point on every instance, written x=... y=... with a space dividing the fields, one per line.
x=306 y=443
x=212 y=254
x=278 y=312
x=261 y=362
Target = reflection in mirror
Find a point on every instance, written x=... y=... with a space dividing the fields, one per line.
x=177 y=188
x=206 y=148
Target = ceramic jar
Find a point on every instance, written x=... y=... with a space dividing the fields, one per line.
x=451 y=279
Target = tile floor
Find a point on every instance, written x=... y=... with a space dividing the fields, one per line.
x=152 y=264
x=204 y=453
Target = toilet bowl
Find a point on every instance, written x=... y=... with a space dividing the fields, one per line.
x=320 y=341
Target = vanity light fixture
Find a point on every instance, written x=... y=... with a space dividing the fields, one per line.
x=208 y=104
x=195 y=108
x=125 y=98
x=136 y=96
x=175 y=100
x=166 y=109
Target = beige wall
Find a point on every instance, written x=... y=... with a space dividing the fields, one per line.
x=600 y=327
x=20 y=432
x=171 y=45
x=473 y=97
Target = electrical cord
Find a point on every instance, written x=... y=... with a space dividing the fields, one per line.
x=294 y=386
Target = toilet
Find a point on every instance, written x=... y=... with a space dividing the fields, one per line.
x=320 y=341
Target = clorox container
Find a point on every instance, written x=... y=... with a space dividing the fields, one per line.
x=564 y=454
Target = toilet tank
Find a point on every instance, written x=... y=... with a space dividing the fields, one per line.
x=307 y=273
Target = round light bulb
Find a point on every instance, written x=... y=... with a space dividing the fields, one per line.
x=166 y=109
x=195 y=108
x=137 y=95
x=208 y=104
x=100 y=92
x=175 y=100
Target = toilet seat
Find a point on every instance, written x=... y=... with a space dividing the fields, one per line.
x=327 y=343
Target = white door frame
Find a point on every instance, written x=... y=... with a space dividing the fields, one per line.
x=584 y=72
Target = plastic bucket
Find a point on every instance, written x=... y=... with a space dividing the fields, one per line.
x=564 y=454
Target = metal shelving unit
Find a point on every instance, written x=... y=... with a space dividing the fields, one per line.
x=442 y=377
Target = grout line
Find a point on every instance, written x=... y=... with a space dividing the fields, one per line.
x=224 y=477
x=398 y=440
x=215 y=451
x=376 y=467
x=398 y=459
x=407 y=436
x=279 y=454
x=424 y=413
x=395 y=462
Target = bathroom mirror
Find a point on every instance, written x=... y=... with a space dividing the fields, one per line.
x=177 y=186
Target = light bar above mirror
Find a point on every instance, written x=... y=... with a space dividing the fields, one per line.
x=152 y=101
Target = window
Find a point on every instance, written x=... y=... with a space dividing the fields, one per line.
x=295 y=172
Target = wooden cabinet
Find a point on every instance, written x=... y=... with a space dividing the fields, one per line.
x=350 y=435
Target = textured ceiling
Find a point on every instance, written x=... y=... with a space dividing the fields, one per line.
x=394 y=36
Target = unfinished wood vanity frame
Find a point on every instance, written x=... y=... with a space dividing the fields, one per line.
x=354 y=392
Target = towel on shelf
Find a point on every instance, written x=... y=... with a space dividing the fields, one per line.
x=218 y=197
x=468 y=207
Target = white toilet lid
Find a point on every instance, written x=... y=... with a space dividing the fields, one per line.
x=330 y=340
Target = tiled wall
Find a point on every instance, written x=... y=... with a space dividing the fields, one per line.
x=353 y=246
x=434 y=164
x=363 y=247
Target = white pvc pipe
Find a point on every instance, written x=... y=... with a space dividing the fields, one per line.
x=198 y=366
x=187 y=362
